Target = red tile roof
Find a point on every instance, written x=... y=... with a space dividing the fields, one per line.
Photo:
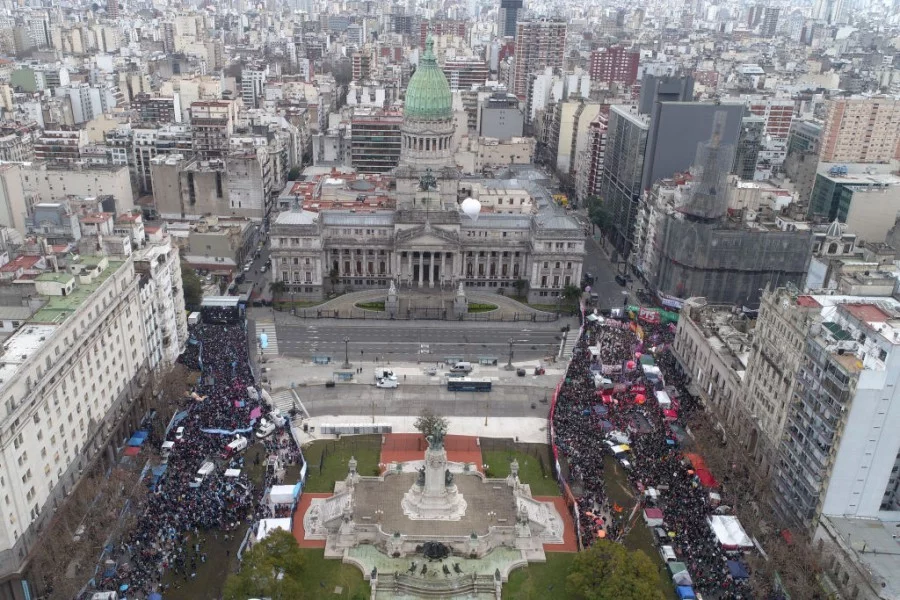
x=20 y=262
x=808 y=302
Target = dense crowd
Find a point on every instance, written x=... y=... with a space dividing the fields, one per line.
x=185 y=511
x=606 y=395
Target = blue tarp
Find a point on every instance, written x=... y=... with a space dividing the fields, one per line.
x=606 y=426
x=685 y=591
x=737 y=570
x=600 y=409
x=155 y=596
x=263 y=341
x=135 y=441
x=140 y=434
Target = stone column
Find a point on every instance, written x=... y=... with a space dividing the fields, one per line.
x=475 y=266
x=421 y=267
x=433 y=269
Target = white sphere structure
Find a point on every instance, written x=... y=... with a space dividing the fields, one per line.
x=472 y=208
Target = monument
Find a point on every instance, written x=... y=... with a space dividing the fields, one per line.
x=392 y=304
x=434 y=496
x=460 y=303
x=434 y=511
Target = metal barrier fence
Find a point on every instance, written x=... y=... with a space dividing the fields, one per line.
x=421 y=314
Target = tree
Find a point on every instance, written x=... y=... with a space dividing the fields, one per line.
x=191 y=286
x=427 y=422
x=571 y=294
x=277 y=288
x=607 y=571
x=273 y=568
x=521 y=286
x=598 y=214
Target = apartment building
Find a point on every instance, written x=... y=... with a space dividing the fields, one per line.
x=539 y=44
x=375 y=140
x=61 y=146
x=212 y=122
x=615 y=64
x=839 y=456
x=463 y=72
x=162 y=302
x=68 y=379
x=861 y=130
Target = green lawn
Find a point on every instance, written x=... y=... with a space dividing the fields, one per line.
x=366 y=449
x=480 y=308
x=619 y=490
x=540 y=581
x=529 y=470
x=376 y=306
x=325 y=575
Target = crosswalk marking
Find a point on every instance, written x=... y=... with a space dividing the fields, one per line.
x=267 y=326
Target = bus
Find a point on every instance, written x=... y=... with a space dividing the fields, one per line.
x=467 y=384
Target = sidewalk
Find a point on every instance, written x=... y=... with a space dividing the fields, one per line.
x=284 y=371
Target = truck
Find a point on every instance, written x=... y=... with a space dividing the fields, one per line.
x=382 y=373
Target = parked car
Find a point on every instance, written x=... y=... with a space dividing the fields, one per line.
x=432 y=370
x=661 y=535
x=621 y=280
x=387 y=383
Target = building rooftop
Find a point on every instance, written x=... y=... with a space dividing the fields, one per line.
x=873 y=544
x=20 y=346
x=59 y=308
x=20 y=262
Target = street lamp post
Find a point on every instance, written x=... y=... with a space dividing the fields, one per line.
x=509 y=366
x=346 y=353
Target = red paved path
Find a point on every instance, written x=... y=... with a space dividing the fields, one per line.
x=302 y=507
x=406 y=447
x=570 y=541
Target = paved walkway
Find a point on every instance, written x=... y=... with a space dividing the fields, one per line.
x=428 y=298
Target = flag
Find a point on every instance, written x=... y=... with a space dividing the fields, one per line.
x=617 y=508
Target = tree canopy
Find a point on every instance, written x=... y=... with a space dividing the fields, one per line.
x=273 y=568
x=427 y=422
x=191 y=286
x=607 y=571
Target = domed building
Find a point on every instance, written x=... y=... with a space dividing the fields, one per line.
x=426 y=150
x=427 y=241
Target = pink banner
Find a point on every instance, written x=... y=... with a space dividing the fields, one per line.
x=256 y=413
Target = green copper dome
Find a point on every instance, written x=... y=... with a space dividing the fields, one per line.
x=428 y=93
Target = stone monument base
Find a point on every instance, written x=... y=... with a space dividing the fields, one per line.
x=419 y=506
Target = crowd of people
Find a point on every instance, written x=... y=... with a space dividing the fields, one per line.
x=607 y=396
x=186 y=510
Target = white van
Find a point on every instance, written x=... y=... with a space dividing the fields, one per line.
x=382 y=373
x=238 y=444
x=166 y=450
x=387 y=383
x=179 y=434
x=266 y=428
x=462 y=367
x=668 y=554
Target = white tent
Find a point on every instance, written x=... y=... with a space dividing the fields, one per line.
x=729 y=532
x=233 y=473
x=267 y=526
x=281 y=494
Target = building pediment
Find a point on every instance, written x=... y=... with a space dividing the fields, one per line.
x=425 y=236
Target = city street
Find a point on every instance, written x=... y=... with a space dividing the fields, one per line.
x=597 y=264
x=354 y=399
x=430 y=341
